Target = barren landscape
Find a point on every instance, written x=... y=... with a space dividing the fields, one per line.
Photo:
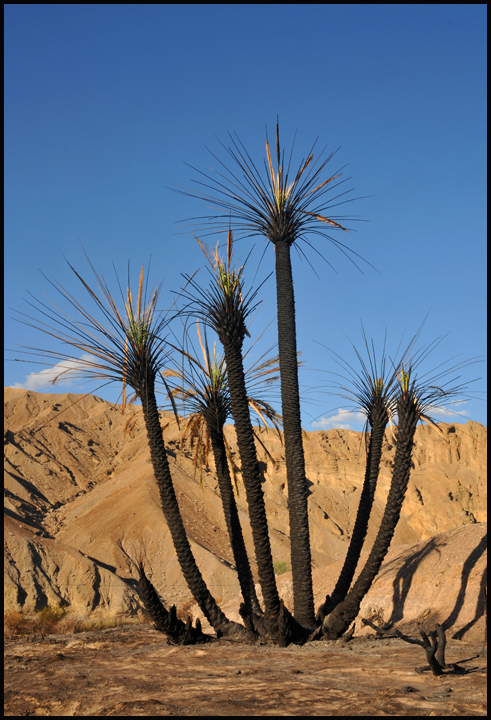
x=133 y=671
x=79 y=481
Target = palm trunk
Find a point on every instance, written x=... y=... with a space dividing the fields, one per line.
x=379 y=419
x=303 y=597
x=172 y=514
x=252 y=478
x=341 y=618
x=232 y=521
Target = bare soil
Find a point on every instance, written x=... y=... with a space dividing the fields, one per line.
x=132 y=670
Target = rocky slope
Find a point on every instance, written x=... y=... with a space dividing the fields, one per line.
x=79 y=481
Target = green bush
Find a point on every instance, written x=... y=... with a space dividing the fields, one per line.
x=280 y=567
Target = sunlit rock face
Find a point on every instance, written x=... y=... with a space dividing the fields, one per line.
x=78 y=481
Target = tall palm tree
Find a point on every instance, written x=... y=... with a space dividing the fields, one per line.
x=283 y=207
x=415 y=397
x=224 y=308
x=203 y=386
x=127 y=346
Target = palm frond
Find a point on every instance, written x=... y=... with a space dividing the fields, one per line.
x=272 y=205
x=392 y=378
x=268 y=454
x=122 y=346
x=222 y=306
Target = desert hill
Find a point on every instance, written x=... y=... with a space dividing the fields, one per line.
x=79 y=480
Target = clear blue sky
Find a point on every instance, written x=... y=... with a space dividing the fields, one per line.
x=105 y=105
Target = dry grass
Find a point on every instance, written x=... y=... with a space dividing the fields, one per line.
x=55 y=620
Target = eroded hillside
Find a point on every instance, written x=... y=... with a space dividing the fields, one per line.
x=78 y=481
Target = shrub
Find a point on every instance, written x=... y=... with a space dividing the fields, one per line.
x=53 y=620
x=48 y=619
x=15 y=623
x=280 y=567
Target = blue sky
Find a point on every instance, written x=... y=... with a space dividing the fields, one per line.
x=108 y=105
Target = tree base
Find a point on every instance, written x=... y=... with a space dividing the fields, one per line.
x=166 y=621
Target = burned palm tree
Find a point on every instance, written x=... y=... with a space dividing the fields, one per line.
x=372 y=390
x=203 y=386
x=283 y=206
x=225 y=309
x=128 y=346
x=415 y=397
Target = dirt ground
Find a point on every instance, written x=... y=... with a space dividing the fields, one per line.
x=132 y=670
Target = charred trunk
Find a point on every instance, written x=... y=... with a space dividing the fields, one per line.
x=246 y=581
x=346 y=611
x=172 y=514
x=301 y=561
x=166 y=621
x=379 y=419
x=252 y=478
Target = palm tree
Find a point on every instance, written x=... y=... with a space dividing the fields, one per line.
x=128 y=347
x=284 y=208
x=415 y=397
x=372 y=390
x=204 y=388
x=225 y=309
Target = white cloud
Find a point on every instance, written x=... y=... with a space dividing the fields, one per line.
x=343 y=420
x=64 y=372
x=452 y=413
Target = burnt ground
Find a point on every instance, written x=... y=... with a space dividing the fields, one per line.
x=132 y=670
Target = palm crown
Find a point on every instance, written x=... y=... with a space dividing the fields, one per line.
x=202 y=385
x=124 y=346
x=282 y=205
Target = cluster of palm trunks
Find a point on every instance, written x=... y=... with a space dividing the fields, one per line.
x=276 y=623
x=131 y=348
